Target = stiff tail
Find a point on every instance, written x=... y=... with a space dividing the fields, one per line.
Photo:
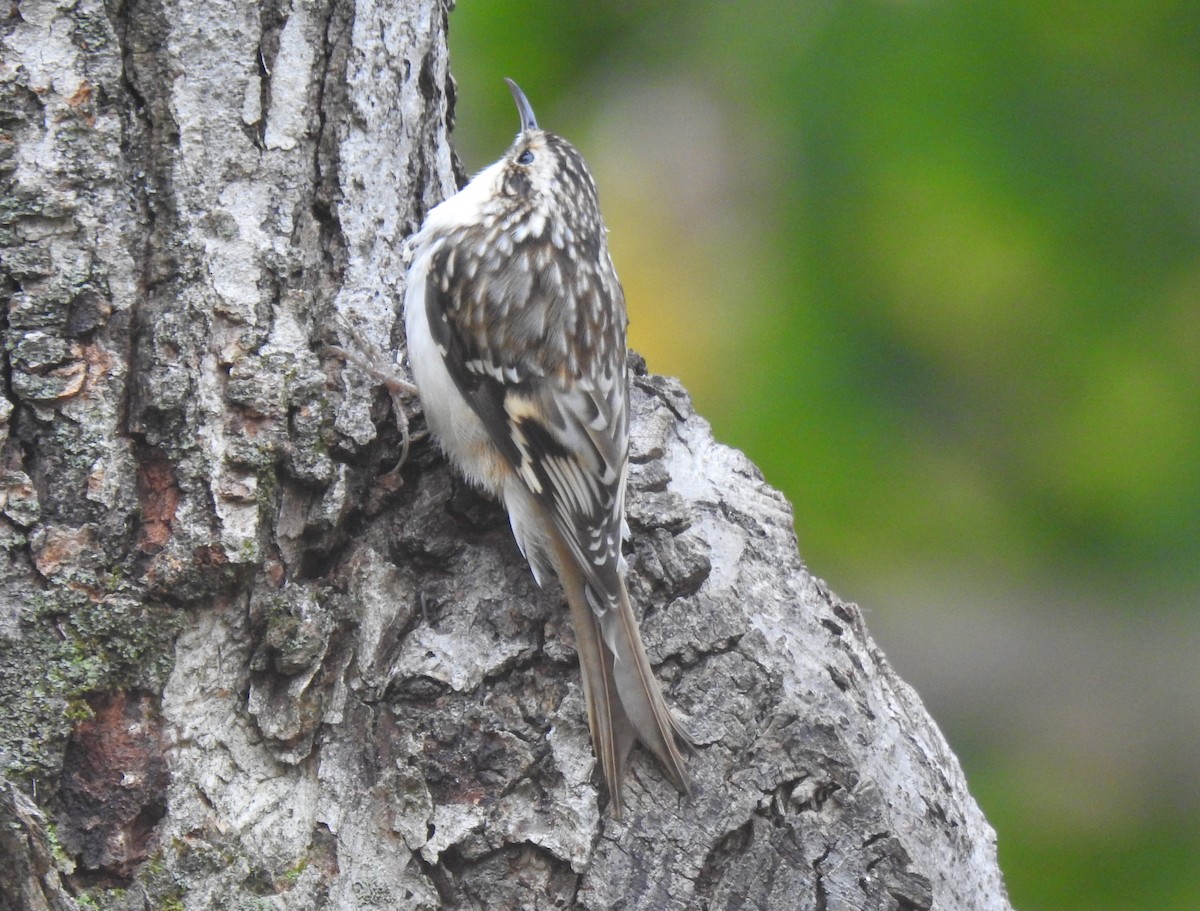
x=623 y=698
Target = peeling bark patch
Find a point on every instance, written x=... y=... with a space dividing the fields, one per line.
x=81 y=102
x=159 y=497
x=114 y=784
x=57 y=547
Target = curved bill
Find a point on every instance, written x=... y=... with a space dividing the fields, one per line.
x=528 y=120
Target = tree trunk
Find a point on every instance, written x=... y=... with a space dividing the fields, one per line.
x=247 y=664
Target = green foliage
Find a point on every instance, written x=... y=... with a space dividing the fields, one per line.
x=1115 y=862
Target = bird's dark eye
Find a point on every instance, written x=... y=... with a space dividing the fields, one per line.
x=525 y=157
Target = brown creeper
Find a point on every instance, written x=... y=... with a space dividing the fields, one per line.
x=516 y=338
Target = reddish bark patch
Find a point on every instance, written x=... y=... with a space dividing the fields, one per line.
x=114 y=784
x=61 y=547
x=159 y=496
x=82 y=95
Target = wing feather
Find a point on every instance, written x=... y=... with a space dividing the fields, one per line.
x=541 y=359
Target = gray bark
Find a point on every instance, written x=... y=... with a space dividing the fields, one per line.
x=246 y=664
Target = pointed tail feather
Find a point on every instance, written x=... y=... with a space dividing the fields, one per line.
x=640 y=696
x=623 y=698
x=612 y=734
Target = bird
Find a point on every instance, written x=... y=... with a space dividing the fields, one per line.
x=515 y=322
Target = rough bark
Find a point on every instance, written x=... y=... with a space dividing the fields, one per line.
x=246 y=664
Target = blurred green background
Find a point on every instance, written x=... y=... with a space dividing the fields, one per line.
x=935 y=266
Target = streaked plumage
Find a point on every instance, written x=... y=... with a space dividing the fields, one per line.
x=516 y=337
